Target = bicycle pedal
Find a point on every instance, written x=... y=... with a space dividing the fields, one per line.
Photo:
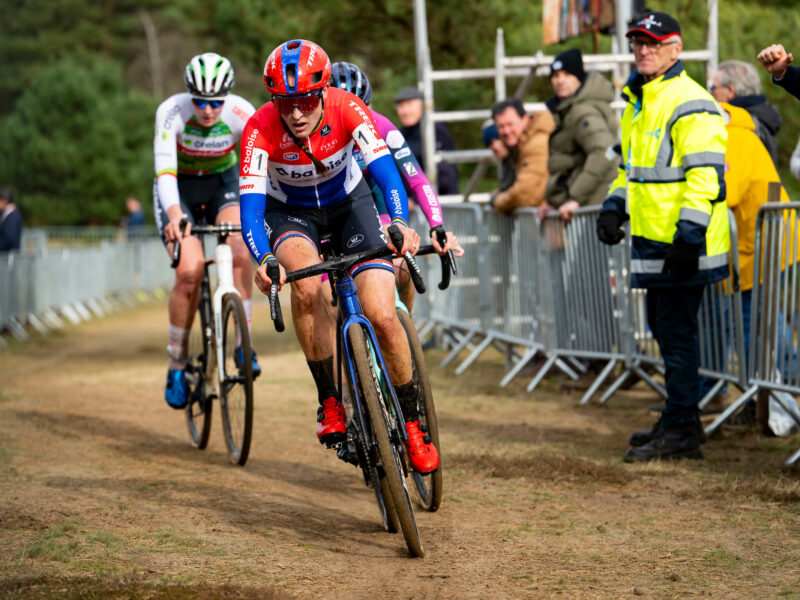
x=333 y=440
x=347 y=455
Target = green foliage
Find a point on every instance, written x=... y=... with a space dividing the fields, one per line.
x=77 y=143
x=81 y=140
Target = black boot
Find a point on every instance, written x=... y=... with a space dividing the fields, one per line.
x=669 y=443
x=640 y=437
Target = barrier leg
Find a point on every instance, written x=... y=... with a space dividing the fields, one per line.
x=566 y=369
x=711 y=394
x=599 y=381
x=459 y=347
x=541 y=373
x=792 y=459
x=649 y=381
x=615 y=386
x=521 y=363
x=475 y=354
x=730 y=410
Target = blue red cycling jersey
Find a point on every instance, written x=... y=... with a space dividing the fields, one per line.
x=271 y=164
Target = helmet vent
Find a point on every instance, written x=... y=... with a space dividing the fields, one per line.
x=316 y=77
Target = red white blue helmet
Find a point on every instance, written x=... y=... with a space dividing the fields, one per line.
x=306 y=62
x=209 y=75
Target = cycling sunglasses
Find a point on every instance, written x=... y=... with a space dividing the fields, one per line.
x=307 y=103
x=201 y=103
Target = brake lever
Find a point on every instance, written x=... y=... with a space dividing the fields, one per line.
x=413 y=268
x=176 y=246
x=274 y=274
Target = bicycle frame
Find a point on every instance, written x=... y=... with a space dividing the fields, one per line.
x=352 y=314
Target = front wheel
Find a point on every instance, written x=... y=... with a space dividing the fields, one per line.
x=198 y=410
x=236 y=387
x=428 y=485
x=383 y=421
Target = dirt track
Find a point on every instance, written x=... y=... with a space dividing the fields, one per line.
x=101 y=494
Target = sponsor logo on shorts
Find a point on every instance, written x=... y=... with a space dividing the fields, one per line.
x=296 y=220
x=355 y=240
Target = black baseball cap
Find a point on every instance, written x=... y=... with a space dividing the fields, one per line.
x=407 y=93
x=658 y=25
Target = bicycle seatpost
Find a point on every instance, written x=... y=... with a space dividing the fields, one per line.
x=416 y=276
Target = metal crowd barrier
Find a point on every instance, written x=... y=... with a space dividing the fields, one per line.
x=775 y=313
x=45 y=286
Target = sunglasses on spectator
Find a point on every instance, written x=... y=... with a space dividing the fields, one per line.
x=201 y=103
x=653 y=45
x=307 y=103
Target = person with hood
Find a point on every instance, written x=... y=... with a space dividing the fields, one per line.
x=526 y=137
x=737 y=83
x=582 y=160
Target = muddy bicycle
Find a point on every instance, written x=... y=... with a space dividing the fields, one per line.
x=218 y=357
x=375 y=433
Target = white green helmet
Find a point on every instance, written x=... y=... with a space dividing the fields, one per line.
x=209 y=75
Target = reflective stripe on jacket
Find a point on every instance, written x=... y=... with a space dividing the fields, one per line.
x=671 y=183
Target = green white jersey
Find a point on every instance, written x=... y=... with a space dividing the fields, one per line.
x=184 y=147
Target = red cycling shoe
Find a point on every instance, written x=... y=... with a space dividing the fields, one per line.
x=421 y=452
x=331 y=419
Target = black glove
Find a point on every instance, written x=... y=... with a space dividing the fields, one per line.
x=682 y=260
x=608 y=227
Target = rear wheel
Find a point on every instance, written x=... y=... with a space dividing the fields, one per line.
x=198 y=410
x=428 y=485
x=383 y=421
x=236 y=388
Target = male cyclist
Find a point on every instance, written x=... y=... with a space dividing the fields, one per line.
x=196 y=177
x=298 y=179
x=347 y=76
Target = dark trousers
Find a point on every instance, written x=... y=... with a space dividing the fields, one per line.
x=672 y=317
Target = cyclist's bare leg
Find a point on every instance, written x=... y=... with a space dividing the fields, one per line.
x=189 y=273
x=312 y=324
x=242 y=275
x=185 y=294
x=404 y=285
x=376 y=294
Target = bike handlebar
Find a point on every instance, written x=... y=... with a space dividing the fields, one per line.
x=413 y=267
x=223 y=230
x=342 y=264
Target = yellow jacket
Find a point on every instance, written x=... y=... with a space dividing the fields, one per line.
x=748 y=171
x=671 y=179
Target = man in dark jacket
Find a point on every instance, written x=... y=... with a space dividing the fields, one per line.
x=737 y=83
x=582 y=161
x=778 y=63
x=408 y=104
x=10 y=222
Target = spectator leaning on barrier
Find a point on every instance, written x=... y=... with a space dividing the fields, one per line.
x=737 y=83
x=504 y=158
x=10 y=222
x=526 y=137
x=582 y=160
x=672 y=188
x=408 y=104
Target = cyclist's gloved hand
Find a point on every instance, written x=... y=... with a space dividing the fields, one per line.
x=682 y=260
x=609 y=227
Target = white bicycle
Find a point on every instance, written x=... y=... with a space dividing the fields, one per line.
x=218 y=360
